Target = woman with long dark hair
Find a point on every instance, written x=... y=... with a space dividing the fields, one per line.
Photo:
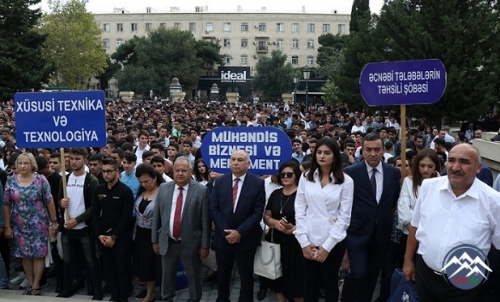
x=323 y=213
x=146 y=262
x=201 y=172
x=425 y=165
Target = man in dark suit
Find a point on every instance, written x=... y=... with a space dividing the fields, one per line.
x=181 y=229
x=376 y=193
x=236 y=207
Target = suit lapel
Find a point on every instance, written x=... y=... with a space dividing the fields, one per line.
x=169 y=195
x=364 y=174
x=189 y=197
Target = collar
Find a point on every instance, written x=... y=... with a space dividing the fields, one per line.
x=242 y=177
x=369 y=168
x=185 y=187
x=473 y=191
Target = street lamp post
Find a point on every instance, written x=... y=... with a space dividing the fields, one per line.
x=307 y=73
x=295 y=82
x=214 y=92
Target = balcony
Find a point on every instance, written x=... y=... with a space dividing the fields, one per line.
x=262 y=49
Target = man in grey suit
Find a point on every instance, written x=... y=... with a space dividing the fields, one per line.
x=181 y=229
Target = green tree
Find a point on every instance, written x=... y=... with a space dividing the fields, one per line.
x=330 y=54
x=74 y=44
x=360 y=10
x=109 y=72
x=165 y=53
x=274 y=75
x=22 y=65
x=463 y=35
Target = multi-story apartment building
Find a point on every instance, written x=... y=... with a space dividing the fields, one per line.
x=243 y=36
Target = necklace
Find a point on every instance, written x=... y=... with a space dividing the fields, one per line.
x=281 y=201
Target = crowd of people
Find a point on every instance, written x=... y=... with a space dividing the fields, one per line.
x=133 y=209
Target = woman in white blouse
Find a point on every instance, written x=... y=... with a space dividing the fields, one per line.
x=425 y=165
x=323 y=212
x=358 y=127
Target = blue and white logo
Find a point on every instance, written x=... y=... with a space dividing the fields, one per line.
x=466 y=267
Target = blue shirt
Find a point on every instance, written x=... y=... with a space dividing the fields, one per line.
x=131 y=181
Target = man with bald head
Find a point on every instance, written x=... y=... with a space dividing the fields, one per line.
x=236 y=208
x=451 y=211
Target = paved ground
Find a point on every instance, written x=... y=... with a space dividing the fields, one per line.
x=209 y=292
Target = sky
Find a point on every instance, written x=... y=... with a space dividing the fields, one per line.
x=135 y=6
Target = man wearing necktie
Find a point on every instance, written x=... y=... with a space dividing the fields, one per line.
x=236 y=208
x=376 y=193
x=181 y=229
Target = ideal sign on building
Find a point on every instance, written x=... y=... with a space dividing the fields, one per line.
x=234 y=74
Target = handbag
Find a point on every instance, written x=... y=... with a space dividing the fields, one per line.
x=402 y=290
x=267 y=261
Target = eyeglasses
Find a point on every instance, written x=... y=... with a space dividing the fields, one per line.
x=286 y=174
x=108 y=171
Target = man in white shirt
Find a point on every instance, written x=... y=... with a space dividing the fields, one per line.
x=449 y=212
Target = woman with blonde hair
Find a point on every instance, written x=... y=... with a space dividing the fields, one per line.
x=27 y=223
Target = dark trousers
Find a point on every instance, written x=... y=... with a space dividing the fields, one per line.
x=432 y=287
x=493 y=283
x=365 y=265
x=393 y=259
x=244 y=262
x=80 y=240
x=326 y=273
x=5 y=252
x=118 y=267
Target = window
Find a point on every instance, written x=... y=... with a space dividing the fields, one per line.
x=244 y=26
x=192 y=27
x=119 y=42
x=295 y=27
x=209 y=27
x=177 y=25
x=105 y=27
x=341 y=28
x=227 y=42
x=149 y=26
x=280 y=27
x=310 y=27
x=163 y=25
x=310 y=43
x=226 y=26
x=262 y=26
x=295 y=60
x=244 y=42
x=105 y=43
x=279 y=43
x=133 y=27
x=326 y=28
x=295 y=43
x=227 y=59
x=310 y=61
x=244 y=59
x=119 y=27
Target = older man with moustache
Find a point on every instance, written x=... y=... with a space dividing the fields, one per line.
x=236 y=207
x=181 y=229
x=451 y=211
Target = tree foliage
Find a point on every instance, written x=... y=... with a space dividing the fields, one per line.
x=154 y=60
x=463 y=34
x=330 y=54
x=360 y=10
x=74 y=44
x=22 y=65
x=274 y=75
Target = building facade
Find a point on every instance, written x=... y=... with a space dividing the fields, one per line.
x=243 y=36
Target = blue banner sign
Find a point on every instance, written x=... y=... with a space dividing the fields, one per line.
x=403 y=82
x=267 y=147
x=62 y=119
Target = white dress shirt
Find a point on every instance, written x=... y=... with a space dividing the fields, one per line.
x=323 y=215
x=174 y=206
x=379 y=177
x=444 y=220
x=240 y=184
